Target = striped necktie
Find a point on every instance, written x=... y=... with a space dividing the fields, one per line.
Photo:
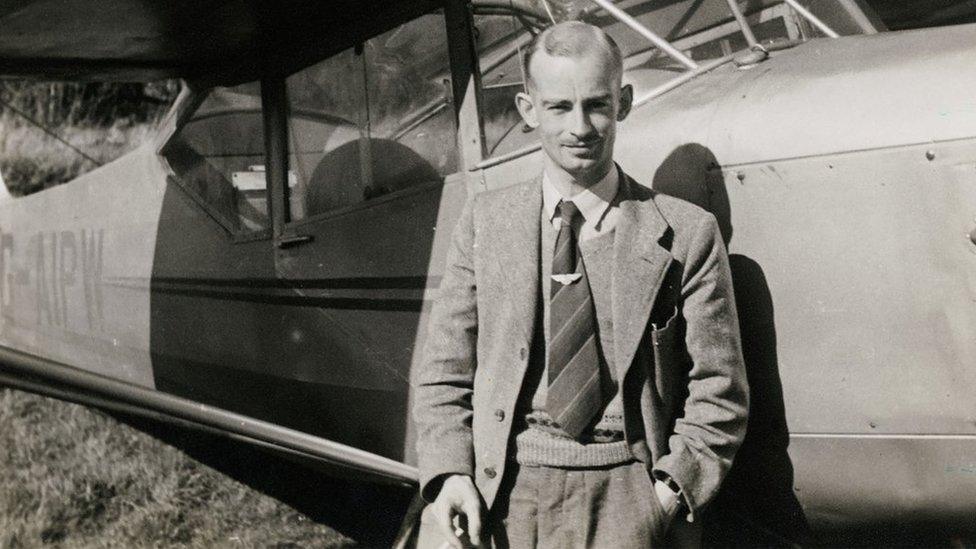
x=574 y=394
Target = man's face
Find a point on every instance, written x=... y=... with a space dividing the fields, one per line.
x=575 y=102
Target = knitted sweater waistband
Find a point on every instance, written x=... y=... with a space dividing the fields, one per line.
x=536 y=447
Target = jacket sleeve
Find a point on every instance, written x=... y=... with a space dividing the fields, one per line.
x=708 y=434
x=443 y=381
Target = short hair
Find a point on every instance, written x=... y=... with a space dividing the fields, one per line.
x=573 y=39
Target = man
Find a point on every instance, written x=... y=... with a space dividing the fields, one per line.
x=582 y=382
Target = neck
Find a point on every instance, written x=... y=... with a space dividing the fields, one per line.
x=570 y=184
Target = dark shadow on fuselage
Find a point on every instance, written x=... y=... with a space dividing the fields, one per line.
x=756 y=505
x=317 y=338
x=307 y=337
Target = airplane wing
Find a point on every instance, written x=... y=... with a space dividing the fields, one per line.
x=135 y=40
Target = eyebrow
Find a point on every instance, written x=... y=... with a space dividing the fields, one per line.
x=551 y=102
x=557 y=101
x=604 y=97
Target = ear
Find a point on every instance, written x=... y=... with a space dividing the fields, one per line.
x=526 y=108
x=626 y=102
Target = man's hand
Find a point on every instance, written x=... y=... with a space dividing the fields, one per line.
x=458 y=496
x=669 y=502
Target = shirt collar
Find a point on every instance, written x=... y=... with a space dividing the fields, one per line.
x=593 y=202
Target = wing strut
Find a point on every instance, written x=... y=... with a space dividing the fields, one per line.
x=812 y=18
x=661 y=43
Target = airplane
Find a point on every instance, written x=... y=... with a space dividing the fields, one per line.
x=265 y=267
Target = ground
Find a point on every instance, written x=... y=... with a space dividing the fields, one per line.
x=75 y=477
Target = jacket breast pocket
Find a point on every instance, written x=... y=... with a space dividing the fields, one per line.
x=671 y=360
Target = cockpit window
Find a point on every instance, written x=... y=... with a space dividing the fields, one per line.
x=372 y=120
x=218 y=156
x=499 y=40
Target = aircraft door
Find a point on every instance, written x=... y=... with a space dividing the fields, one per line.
x=372 y=143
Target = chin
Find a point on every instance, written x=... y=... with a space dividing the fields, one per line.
x=578 y=166
x=573 y=162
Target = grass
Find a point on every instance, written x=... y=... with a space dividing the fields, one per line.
x=74 y=477
x=31 y=160
x=102 y=120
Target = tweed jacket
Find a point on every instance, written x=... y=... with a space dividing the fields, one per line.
x=676 y=341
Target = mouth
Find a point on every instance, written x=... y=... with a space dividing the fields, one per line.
x=581 y=149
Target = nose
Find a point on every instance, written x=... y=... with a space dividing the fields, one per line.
x=580 y=126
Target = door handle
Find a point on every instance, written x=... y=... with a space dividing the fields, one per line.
x=293 y=240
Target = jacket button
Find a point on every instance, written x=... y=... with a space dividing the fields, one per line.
x=490 y=472
x=500 y=414
x=522 y=353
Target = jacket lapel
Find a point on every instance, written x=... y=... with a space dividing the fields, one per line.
x=517 y=240
x=640 y=263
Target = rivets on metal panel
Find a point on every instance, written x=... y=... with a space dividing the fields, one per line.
x=741 y=176
x=930 y=154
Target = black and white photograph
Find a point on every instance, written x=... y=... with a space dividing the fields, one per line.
x=506 y=274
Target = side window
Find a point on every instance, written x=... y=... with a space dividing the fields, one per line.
x=500 y=41
x=218 y=156
x=372 y=120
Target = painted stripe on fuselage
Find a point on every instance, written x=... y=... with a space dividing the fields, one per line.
x=371 y=283
x=237 y=290
x=410 y=305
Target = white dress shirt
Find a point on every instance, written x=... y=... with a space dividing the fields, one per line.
x=597 y=204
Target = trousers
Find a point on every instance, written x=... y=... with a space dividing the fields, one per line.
x=557 y=508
